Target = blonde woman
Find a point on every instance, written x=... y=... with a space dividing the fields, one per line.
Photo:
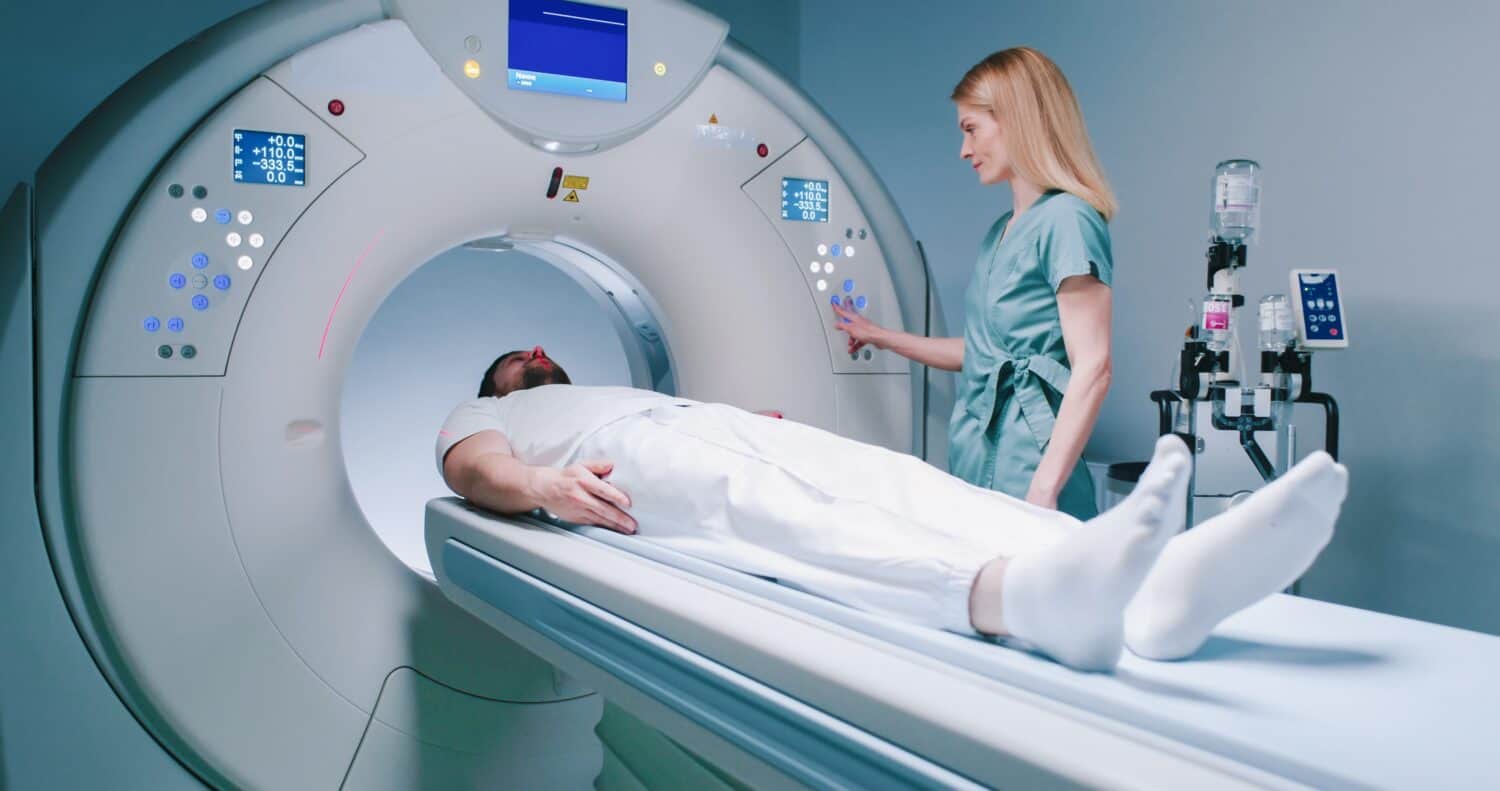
x=1035 y=355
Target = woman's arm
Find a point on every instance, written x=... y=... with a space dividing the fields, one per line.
x=1084 y=307
x=944 y=353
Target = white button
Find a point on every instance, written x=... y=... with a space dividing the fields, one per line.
x=848 y=251
x=816 y=267
x=246 y=217
x=199 y=214
x=245 y=262
x=256 y=240
x=828 y=267
x=822 y=249
x=233 y=239
x=822 y=285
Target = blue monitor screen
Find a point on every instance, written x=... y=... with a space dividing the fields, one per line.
x=575 y=49
x=270 y=158
x=804 y=200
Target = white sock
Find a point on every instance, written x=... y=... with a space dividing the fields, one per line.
x=1236 y=559
x=1067 y=600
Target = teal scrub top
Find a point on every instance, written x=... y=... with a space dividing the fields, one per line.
x=1015 y=367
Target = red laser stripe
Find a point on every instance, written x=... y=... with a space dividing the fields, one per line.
x=352 y=271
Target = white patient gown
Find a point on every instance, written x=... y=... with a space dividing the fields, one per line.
x=868 y=527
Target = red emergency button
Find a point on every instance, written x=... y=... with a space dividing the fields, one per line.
x=336 y=107
x=1334 y=332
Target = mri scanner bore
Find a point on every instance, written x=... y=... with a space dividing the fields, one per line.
x=267 y=247
x=218 y=257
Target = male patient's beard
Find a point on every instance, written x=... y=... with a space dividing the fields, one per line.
x=538 y=375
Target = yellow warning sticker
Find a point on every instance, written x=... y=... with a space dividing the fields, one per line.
x=572 y=197
x=575 y=182
x=713 y=118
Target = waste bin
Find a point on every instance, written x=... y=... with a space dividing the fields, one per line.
x=1119 y=480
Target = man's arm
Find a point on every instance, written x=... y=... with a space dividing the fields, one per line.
x=484 y=470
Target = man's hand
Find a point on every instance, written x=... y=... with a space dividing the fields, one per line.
x=578 y=494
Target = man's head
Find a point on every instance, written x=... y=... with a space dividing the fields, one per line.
x=520 y=370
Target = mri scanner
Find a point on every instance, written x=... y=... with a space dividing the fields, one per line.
x=184 y=291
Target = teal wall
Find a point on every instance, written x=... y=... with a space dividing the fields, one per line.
x=1375 y=123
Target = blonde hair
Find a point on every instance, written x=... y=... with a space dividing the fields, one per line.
x=1044 y=132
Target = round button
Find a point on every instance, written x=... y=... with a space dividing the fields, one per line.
x=848 y=233
x=221 y=282
x=828 y=267
x=221 y=216
x=152 y=324
x=256 y=240
x=834 y=300
x=198 y=214
x=863 y=233
x=200 y=192
x=822 y=249
x=233 y=239
x=175 y=190
x=1334 y=332
x=473 y=44
x=164 y=351
x=245 y=217
x=848 y=286
x=200 y=261
x=848 y=251
x=836 y=250
x=174 y=324
x=177 y=280
x=822 y=285
x=200 y=302
x=816 y=267
x=189 y=351
x=868 y=355
x=244 y=262
x=199 y=281
x=860 y=302
x=336 y=107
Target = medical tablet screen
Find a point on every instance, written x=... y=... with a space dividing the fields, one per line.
x=574 y=49
x=270 y=158
x=804 y=200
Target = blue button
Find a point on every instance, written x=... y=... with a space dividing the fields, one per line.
x=221 y=282
x=836 y=250
x=200 y=302
x=177 y=280
x=152 y=324
x=174 y=324
x=834 y=300
x=848 y=286
x=222 y=216
x=861 y=302
x=200 y=261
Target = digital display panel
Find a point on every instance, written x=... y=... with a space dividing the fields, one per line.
x=1320 y=306
x=804 y=200
x=573 y=49
x=278 y=158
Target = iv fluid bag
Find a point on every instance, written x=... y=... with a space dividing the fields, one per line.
x=1236 y=208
